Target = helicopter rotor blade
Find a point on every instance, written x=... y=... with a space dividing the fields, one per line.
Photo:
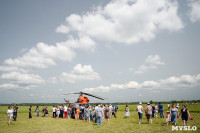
x=92 y=95
x=72 y=93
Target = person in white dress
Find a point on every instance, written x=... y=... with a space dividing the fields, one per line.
x=127 y=112
x=10 y=114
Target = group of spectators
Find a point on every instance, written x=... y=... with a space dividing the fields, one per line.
x=100 y=112
x=83 y=112
x=171 y=115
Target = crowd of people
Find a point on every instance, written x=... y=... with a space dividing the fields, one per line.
x=172 y=114
x=87 y=113
x=100 y=112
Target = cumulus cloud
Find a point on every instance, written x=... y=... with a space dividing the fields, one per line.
x=194 y=12
x=173 y=82
x=80 y=73
x=154 y=59
x=44 y=55
x=62 y=29
x=22 y=78
x=125 y=21
x=12 y=68
x=152 y=62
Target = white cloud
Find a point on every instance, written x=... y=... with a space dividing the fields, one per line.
x=9 y=86
x=22 y=78
x=126 y=21
x=12 y=68
x=194 y=12
x=173 y=82
x=44 y=55
x=144 y=68
x=15 y=86
x=80 y=73
x=62 y=29
x=152 y=62
x=84 y=43
x=154 y=59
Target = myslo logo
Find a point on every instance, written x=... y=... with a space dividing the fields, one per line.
x=184 y=128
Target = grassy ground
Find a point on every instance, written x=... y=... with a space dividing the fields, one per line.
x=119 y=124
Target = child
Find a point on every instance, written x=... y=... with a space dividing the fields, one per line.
x=127 y=112
x=168 y=117
x=10 y=114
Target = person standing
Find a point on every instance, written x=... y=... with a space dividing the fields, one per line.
x=148 y=112
x=177 y=105
x=99 y=114
x=156 y=111
x=168 y=105
x=37 y=111
x=54 y=112
x=168 y=119
x=43 y=110
x=184 y=115
x=161 y=109
x=127 y=112
x=46 y=111
x=61 y=111
x=174 y=113
x=106 y=112
x=113 y=111
x=65 y=111
x=15 y=110
x=116 y=108
x=87 y=114
x=110 y=112
x=10 y=114
x=153 y=111
x=140 y=111
x=91 y=113
x=69 y=112
x=30 y=114
x=57 y=111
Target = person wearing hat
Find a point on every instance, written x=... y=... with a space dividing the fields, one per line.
x=140 y=110
x=148 y=112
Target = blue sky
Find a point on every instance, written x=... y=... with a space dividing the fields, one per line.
x=123 y=50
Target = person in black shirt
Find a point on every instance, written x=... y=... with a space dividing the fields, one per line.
x=15 y=110
x=30 y=115
x=184 y=115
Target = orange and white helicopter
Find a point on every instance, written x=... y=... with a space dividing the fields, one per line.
x=82 y=100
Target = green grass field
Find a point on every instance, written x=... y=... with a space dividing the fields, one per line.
x=119 y=124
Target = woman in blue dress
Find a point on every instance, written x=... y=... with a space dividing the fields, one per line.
x=174 y=113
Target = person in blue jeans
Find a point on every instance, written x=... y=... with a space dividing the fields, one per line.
x=161 y=108
x=99 y=114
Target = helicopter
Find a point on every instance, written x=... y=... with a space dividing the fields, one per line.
x=82 y=100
